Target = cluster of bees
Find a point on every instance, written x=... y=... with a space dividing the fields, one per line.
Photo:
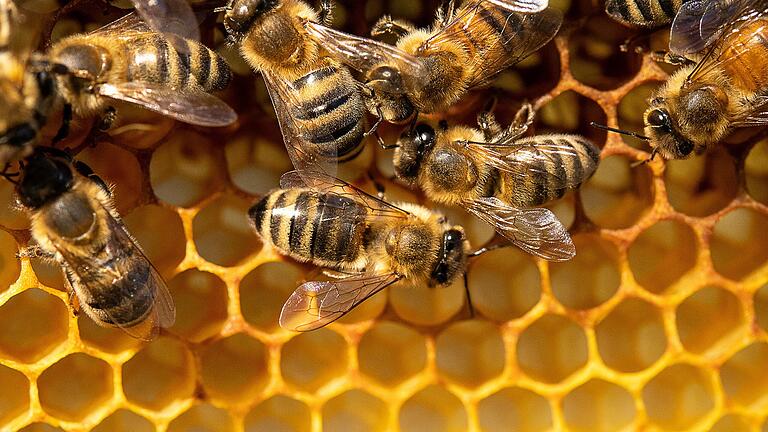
x=324 y=85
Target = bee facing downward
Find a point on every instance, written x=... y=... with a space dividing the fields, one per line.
x=498 y=176
x=369 y=243
x=74 y=222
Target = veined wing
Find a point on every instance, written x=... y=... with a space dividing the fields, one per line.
x=699 y=23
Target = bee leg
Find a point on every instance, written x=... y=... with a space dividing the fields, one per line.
x=446 y=12
x=670 y=58
x=325 y=14
x=487 y=122
x=73 y=299
x=380 y=189
x=107 y=119
x=387 y=26
x=469 y=297
x=33 y=251
x=375 y=130
x=66 y=119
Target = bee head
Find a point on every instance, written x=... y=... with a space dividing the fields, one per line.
x=663 y=136
x=452 y=257
x=240 y=15
x=44 y=179
x=413 y=147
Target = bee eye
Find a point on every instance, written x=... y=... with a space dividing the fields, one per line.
x=684 y=148
x=451 y=240
x=658 y=118
x=424 y=137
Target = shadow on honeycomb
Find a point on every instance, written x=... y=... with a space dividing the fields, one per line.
x=659 y=323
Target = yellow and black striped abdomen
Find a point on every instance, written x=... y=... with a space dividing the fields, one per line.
x=553 y=165
x=643 y=13
x=180 y=63
x=330 y=113
x=323 y=228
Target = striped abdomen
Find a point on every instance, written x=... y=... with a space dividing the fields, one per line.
x=183 y=63
x=323 y=228
x=643 y=13
x=748 y=50
x=555 y=164
x=330 y=113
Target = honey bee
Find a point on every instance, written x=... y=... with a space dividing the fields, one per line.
x=643 y=13
x=318 y=104
x=497 y=175
x=74 y=222
x=368 y=243
x=721 y=45
x=126 y=60
x=430 y=70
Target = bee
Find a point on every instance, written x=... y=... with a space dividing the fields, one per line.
x=74 y=222
x=497 y=175
x=430 y=70
x=643 y=13
x=318 y=103
x=367 y=243
x=126 y=60
x=720 y=45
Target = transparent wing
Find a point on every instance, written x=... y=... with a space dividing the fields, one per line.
x=536 y=231
x=511 y=36
x=364 y=54
x=527 y=6
x=286 y=101
x=169 y=16
x=125 y=26
x=125 y=254
x=755 y=115
x=316 y=304
x=325 y=183
x=699 y=23
x=189 y=106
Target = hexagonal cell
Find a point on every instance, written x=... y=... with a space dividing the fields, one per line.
x=731 y=423
x=570 y=112
x=470 y=352
x=761 y=307
x=504 y=284
x=264 y=290
x=9 y=264
x=700 y=186
x=589 y=279
x=74 y=386
x=279 y=413
x=123 y=420
x=662 y=254
x=735 y=253
x=201 y=304
x=234 y=369
x=161 y=373
x=117 y=167
x=421 y=305
x=433 y=408
x=707 y=317
x=756 y=171
x=551 y=349
x=165 y=251
x=678 y=397
x=598 y=405
x=311 y=360
x=630 y=113
x=390 y=353
x=255 y=162
x=631 y=337
x=222 y=233
x=618 y=195
x=40 y=427
x=107 y=339
x=32 y=324
x=11 y=217
x=203 y=417
x=534 y=76
x=184 y=170
x=48 y=274
x=355 y=410
x=743 y=375
x=514 y=409
x=13 y=403
x=595 y=56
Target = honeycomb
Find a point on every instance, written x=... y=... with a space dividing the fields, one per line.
x=659 y=323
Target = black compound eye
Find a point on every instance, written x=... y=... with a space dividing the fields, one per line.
x=684 y=148
x=424 y=137
x=451 y=240
x=658 y=118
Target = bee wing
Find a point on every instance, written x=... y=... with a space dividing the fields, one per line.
x=316 y=304
x=698 y=23
x=126 y=25
x=325 y=183
x=534 y=230
x=189 y=106
x=755 y=115
x=364 y=54
x=169 y=16
x=285 y=99
x=526 y=6
x=517 y=35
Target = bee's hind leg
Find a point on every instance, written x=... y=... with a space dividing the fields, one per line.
x=388 y=26
x=33 y=251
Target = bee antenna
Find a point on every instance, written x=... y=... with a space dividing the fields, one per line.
x=220 y=9
x=620 y=131
x=470 y=306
